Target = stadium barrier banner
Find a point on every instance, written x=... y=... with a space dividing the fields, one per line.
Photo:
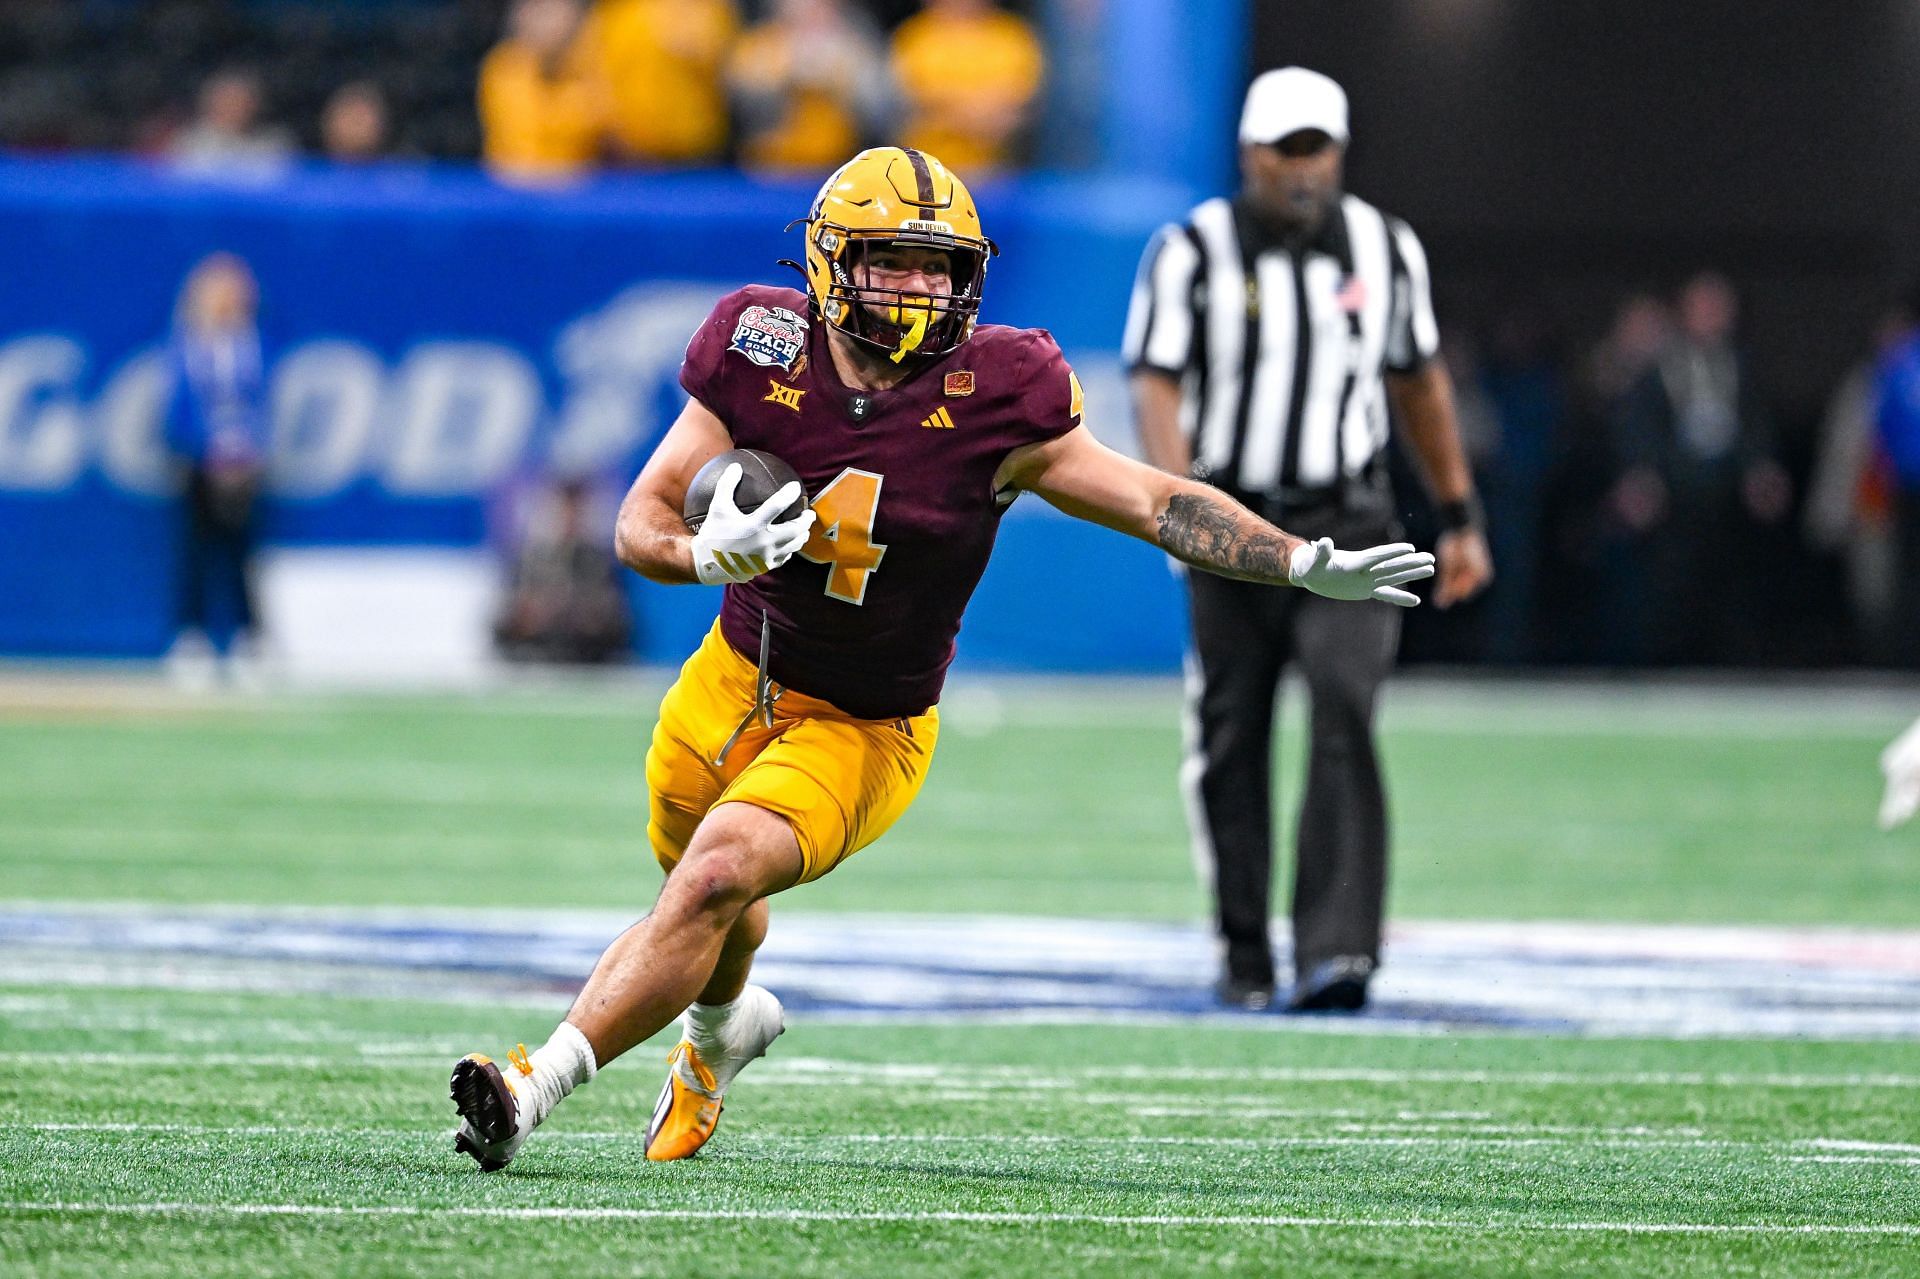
x=436 y=342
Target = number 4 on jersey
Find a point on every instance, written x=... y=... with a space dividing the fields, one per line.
x=843 y=533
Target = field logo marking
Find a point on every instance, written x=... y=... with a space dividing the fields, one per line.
x=1579 y=979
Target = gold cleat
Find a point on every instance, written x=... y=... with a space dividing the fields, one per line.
x=688 y=1110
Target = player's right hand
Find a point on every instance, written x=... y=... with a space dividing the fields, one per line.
x=735 y=545
x=1375 y=573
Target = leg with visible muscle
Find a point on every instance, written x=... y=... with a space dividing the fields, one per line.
x=736 y=956
x=697 y=942
x=821 y=783
x=656 y=968
x=731 y=1022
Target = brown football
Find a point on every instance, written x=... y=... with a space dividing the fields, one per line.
x=761 y=476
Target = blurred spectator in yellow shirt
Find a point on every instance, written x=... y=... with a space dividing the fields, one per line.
x=970 y=74
x=808 y=83
x=541 y=113
x=662 y=62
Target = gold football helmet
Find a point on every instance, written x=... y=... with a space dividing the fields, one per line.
x=895 y=196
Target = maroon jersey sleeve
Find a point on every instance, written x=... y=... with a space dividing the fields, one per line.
x=700 y=370
x=1049 y=394
x=752 y=330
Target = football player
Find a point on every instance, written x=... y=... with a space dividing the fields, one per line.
x=803 y=726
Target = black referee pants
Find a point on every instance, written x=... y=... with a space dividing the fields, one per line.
x=1244 y=637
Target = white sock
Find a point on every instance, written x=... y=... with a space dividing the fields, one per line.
x=705 y=1021
x=707 y=1029
x=562 y=1064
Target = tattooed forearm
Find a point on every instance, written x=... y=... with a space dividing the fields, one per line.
x=1211 y=531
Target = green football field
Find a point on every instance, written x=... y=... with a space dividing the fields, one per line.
x=182 y=1116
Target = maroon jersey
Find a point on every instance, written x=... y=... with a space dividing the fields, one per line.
x=901 y=483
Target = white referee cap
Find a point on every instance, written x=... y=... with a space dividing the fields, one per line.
x=1289 y=100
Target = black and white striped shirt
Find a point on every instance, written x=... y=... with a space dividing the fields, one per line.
x=1272 y=404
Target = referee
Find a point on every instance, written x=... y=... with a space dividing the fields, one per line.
x=1267 y=336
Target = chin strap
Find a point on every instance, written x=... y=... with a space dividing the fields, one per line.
x=915 y=314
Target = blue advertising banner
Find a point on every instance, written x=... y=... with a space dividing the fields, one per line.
x=433 y=339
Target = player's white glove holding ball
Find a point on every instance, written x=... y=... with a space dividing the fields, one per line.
x=1375 y=573
x=732 y=545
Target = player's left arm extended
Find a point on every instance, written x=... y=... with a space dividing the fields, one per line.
x=1423 y=401
x=1200 y=525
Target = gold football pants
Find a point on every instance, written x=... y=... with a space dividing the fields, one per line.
x=839 y=781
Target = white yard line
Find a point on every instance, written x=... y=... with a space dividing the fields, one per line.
x=187 y=1059
x=818 y=1072
x=205 y=1130
x=116 y=841
x=397 y=783
x=1352 y=1135
x=827 y=1070
x=1593 y=1138
x=1900 y=1229
x=1868 y=1147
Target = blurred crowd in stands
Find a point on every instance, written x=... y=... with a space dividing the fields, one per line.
x=1647 y=504
x=539 y=90
x=653 y=82
x=1647 y=500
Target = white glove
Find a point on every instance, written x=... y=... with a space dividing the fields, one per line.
x=1357 y=575
x=738 y=546
x=1901 y=763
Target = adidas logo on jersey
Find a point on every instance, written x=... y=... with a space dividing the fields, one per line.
x=941 y=420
